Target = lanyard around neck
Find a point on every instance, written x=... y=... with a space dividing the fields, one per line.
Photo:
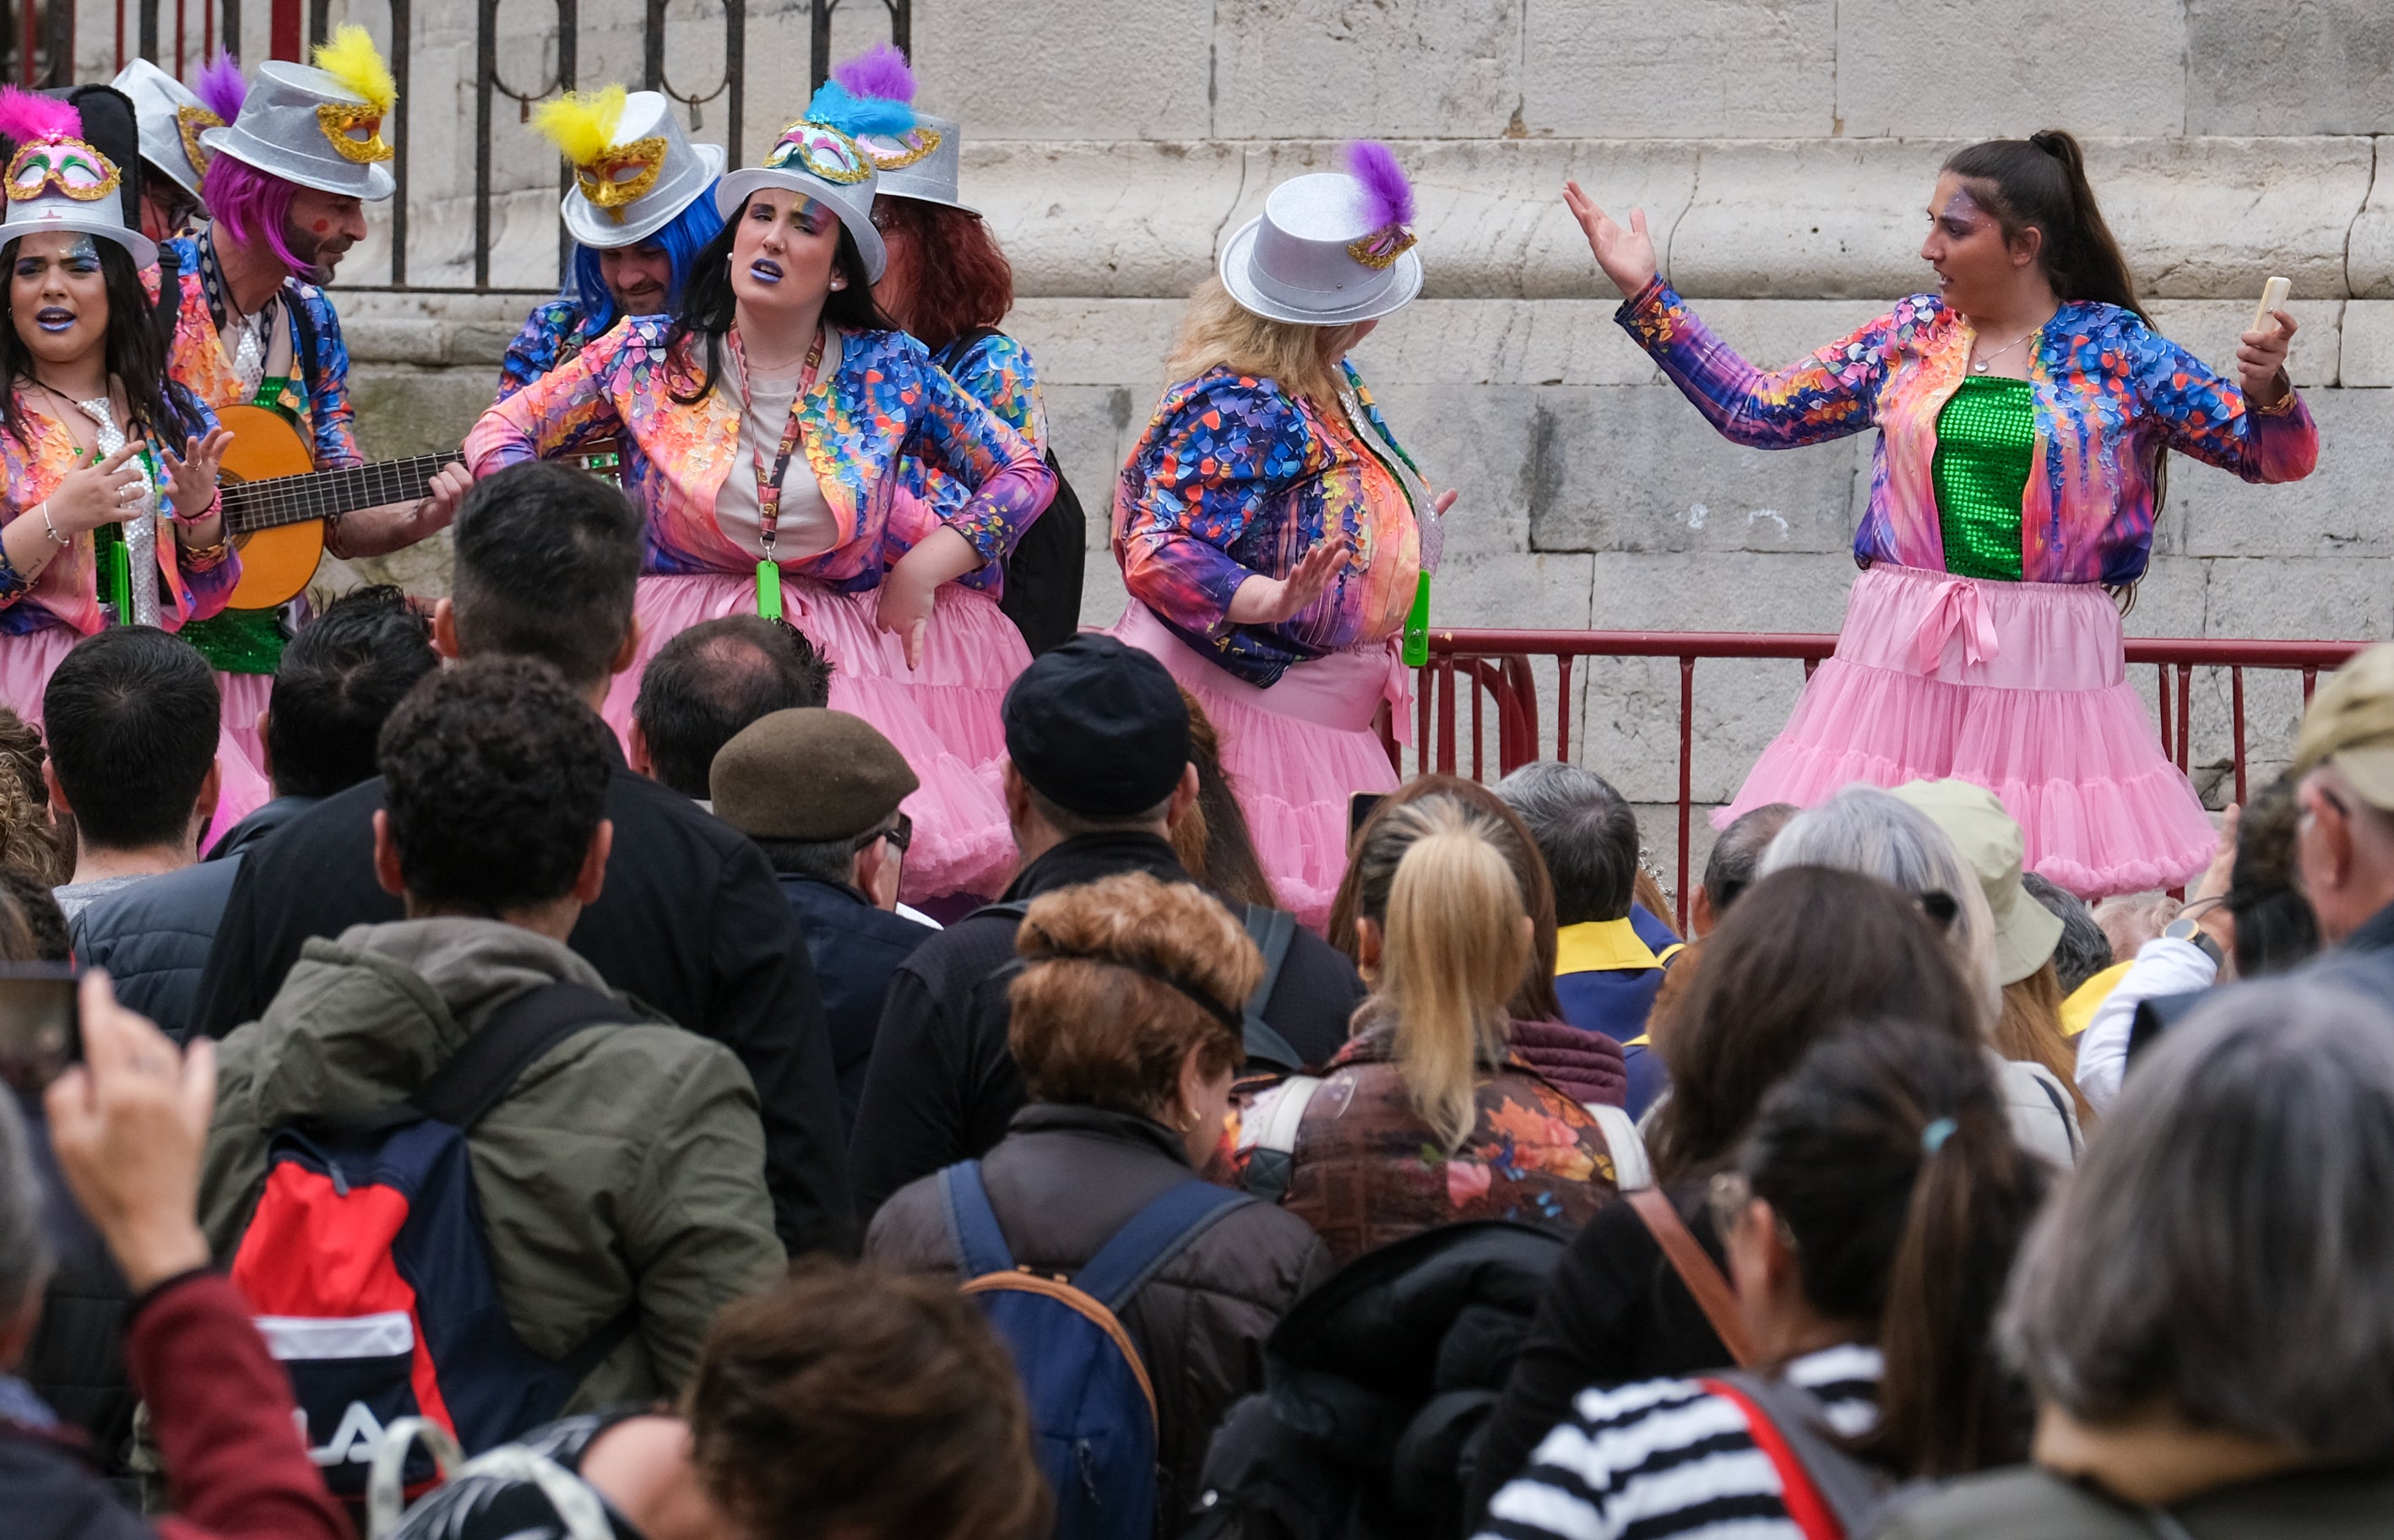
x=769 y=479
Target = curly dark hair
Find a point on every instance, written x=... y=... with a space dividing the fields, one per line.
x=497 y=777
x=340 y=679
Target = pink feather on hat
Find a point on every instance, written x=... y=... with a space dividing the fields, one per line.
x=1389 y=194
x=25 y=117
x=219 y=87
x=881 y=71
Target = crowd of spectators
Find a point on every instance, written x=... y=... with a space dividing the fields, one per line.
x=504 y=1133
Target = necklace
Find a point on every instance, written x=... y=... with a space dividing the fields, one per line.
x=1978 y=365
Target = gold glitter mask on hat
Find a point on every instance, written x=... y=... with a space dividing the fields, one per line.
x=71 y=165
x=623 y=175
x=896 y=151
x=355 y=129
x=819 y=151
x=191 y=123
x=1379 y=250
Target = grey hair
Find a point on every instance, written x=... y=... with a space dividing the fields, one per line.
x=2083 y=950
x=1866 y=829
x=2223 y=1248
x=1586 y=831
x=25 y=1244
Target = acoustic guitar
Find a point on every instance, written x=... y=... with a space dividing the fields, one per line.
x=276 y=502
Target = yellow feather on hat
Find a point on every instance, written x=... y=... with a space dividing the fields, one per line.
x=351 y=59
x=581 y=123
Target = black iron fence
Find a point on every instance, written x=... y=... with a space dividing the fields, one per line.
x=40 y=45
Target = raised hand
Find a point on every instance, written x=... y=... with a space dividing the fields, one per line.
x=2261 y=360
x=1626 y=256
x=1268 y=600
x=192 y=476
x=108 y=492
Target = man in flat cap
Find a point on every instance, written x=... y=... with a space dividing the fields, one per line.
x=1096 y=740
x=818 y=791
x=2344 y=837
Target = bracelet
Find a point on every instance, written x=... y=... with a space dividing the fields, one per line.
x=215 y=503
x=2284 y=404
x=52 y=530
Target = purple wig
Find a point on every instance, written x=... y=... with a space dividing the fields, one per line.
x=252 y=205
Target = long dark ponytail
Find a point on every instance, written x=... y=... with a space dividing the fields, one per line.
x=708 y=303
x=2041 y=181
x=1889 y=1157
x=133 y=349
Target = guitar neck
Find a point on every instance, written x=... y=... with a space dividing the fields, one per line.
x=253 y=506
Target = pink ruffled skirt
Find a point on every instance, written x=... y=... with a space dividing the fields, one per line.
x=27 y=662
x=1295 y=751
x=2019 y=687
x=943 y=717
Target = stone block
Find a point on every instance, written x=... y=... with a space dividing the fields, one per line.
x=1102 y=220
x=2365 y=345
x=2116 y=68
x=1096 y=341
x=1804 y=219
x=1722 y=591
x=2341 y=509
x=1622 y=69
x=1636 y=469
x=2215 y=217
x=1143 y=69
x=403 y=410
x=1478 y=443
x=1291 y=69
x=2209 y=329
x=2170 y=598
x=2314 y=68
x=2298 y=597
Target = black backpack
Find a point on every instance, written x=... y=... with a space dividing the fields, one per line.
x=1042 y=576
x=1377 y=1387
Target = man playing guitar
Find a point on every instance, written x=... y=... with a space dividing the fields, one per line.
x=286 y=188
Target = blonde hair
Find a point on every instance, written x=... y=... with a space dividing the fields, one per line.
x=1452 y=949
x=1216 y=330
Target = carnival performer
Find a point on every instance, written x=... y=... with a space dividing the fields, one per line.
x=641 y=207
x=761 y=432
x=170 y=117
x=950 y=286
x=109 y=515
x=286 y=188
x=2023 y=409
x=1273 y=534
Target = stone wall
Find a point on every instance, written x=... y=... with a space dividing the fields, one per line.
x=1783 y=149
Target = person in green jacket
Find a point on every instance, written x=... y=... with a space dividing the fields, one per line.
x=625 y=1170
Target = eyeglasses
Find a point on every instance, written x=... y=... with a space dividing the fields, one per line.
x=899 y=834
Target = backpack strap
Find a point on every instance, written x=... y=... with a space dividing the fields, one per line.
x=1271 y=1159
x=1631 y=1169
x=1713 y=1295
x=1153 y=1237
x=972 y=1224
x=1828 y=1492
x=1271 y=930
x=168 y=312
x=478 y=1075
x=953 y=353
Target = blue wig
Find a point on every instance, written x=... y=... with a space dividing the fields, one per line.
x=681 y=238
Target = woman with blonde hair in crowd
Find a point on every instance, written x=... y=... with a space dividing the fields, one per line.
x=1274 y=535
x=1428 y=1115
x=1878 y=834
x=1125 y=1026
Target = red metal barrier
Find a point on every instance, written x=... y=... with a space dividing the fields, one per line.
x=1495 y=665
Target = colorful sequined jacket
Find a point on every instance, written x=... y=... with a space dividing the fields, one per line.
x=65 y=591
x=995 y=371
x=553 y=333
x=316 y=401
x=886 y=400
x=1234 y=476
x=2110 y=393
x=1367 y=1172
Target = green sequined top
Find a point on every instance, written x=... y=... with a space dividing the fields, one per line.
x=1986 y=440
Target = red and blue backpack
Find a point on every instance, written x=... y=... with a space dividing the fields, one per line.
x=370 y=1271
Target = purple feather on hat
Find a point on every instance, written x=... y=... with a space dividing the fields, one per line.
x=1392 y=197
x=219 y=87
x=880 y=71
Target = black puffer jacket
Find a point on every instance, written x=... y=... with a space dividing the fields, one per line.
x=1062 y=1181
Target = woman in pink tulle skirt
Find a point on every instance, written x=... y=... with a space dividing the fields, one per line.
x=110 y=514
x=2023 y=409
x=762 y=429
x=1274 y=536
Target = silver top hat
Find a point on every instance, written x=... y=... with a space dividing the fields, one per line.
x=303 y=125
x=1315 y=258
x=172 y=119
x=921 y=165
x=643 y=181
x=825 y=164
x=64 y=185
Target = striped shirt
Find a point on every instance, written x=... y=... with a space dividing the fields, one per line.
x=1668 y=1458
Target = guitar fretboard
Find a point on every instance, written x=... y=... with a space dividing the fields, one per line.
x=253 y=506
